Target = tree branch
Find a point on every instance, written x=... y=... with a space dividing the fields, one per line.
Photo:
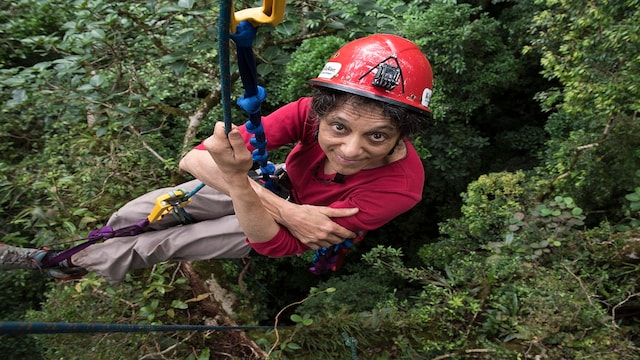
x=145 y=145
x=214 y=309
x=213 y=99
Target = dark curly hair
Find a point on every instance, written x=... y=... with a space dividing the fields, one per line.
x=408 y=122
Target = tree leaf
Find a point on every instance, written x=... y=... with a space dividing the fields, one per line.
x=177 y=304
x=186 y=4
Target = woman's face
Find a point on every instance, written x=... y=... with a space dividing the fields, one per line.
x=356 y=137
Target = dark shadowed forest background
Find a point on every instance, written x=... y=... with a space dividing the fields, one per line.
x=525 y=246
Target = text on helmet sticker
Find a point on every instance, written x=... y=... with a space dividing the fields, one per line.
x=330 y=70
x=426 y=97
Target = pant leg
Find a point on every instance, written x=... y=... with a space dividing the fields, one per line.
x=216 y=235
x=207 y=203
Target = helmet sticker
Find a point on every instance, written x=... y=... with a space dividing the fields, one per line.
x=426 y=97
x=330 y=70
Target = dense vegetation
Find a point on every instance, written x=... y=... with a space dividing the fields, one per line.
x=525 y=246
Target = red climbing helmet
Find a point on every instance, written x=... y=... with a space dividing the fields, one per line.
x=383 y=67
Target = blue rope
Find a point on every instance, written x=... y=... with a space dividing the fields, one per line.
x=352 y=343
x=224 y=22
x=22 y=327
x=194 y=191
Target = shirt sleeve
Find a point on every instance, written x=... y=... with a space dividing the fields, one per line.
x=284 y=126
x=283 y=244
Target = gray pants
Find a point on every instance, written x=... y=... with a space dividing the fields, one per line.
x=215 y=235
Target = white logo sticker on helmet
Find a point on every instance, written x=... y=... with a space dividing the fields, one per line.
x=426 y=97
x=330 y=70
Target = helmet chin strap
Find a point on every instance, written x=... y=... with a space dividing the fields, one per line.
x=393 y=149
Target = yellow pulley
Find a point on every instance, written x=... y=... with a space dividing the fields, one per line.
x=271 y=12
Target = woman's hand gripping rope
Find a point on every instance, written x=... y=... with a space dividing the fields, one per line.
x=230 y=153
x=234 y=161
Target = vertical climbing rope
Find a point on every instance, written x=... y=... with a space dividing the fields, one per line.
x=352 y=343
x=224 y=22
x=254 y=95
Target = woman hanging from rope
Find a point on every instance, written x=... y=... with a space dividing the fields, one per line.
x=352 y=170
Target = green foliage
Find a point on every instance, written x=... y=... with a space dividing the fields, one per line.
x=21 y=291
x=533 y=285
x=490 y=201
x=470 y=59
x=545 y=308
x=299 y=321
x=160 y=296
x=588 y=50
x=89 y=301
x=632 y=211
x=454 y=160
x=546 y=228
x=354 y=293
x=102 y=97
x=25 y=41
x=306 y=63
x=523 y=147
x=352 y=19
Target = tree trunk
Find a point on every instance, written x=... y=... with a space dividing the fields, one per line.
x=240 y=344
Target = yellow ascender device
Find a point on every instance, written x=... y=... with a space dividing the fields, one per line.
x=271 y=12
x=166 y=203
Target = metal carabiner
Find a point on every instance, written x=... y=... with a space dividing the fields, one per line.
x=271 y=12
x=166 y=203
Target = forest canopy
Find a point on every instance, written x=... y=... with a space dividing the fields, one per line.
x=525 y=243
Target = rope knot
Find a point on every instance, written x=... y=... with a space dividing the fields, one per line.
x=245 y=33
x=253 y=104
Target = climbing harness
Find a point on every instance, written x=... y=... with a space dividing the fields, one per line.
x=280 y=178
x=171 y=203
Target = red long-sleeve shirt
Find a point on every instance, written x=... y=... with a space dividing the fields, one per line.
x=381 y=194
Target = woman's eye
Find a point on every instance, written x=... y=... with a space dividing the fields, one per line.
x=338 y=127
x=378 y=137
